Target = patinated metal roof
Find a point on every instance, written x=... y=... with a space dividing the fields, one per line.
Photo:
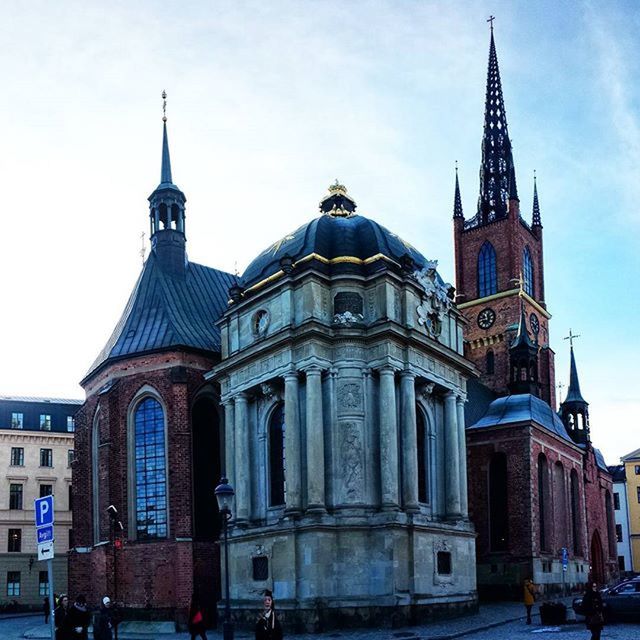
x=168 y=311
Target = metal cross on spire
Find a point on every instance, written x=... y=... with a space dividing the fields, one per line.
x=571 y=337
x=490 y=20
x=164 y=106
x=560 y=387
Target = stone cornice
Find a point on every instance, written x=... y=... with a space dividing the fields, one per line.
x=18 y=436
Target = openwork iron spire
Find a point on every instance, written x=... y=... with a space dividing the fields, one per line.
x=497 y=173
x=457 y=200
x=537 y=220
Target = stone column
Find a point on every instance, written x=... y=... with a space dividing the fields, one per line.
x=293 y=466
x=409 y=442
x=315 y=442
x=462 y=447
x=388 y=441
x=451 y=457
x=229 y=447
x=242 y=464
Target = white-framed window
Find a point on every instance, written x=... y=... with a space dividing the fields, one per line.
x=71 y=424
x=17 y=420
x=45 y=422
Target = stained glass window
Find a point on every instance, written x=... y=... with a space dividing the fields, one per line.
x=276 y=458
x=487 y=273
x=151 y=475
x=527 y=271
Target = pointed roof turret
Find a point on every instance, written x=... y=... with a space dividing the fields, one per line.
x=574 y=410
x=523 y=358
x=522 y=338
x=573 y=393
x=165 y=171
x=457 y=200
x=497 y=173
x=537 y=220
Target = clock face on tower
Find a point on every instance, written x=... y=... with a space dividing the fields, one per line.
x=535 y=323
x=486 y=318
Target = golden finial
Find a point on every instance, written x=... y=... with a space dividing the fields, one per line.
x=336 y=187
x=520 y=282
x=164 y=106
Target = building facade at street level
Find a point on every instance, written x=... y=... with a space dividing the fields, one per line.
x=536 y=483
x=331 y=392
x=621 y=511
x=631 y=464
x=37 y=445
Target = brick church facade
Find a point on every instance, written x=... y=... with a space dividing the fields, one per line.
x=536 y=483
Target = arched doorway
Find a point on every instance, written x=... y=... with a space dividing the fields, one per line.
x=206 y=468
x=597 y=559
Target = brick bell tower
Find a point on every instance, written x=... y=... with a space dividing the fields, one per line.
x=496 y=249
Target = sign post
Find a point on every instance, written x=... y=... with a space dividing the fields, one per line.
x=565 y=564
x=44 y=535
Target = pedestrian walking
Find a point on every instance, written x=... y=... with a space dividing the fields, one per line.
x=529 y=597
x=46 y=608
x=197 y=625
x=593 y=610
x=268 y=626
x=61 y=618
x=79 y=619
x=103 y=622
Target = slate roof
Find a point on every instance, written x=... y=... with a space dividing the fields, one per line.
x=600 y=460
x=167 y=311
x=617 y=472
x=522 y=408
x=42 y=400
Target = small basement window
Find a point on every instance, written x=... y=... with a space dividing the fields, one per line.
x=260 y=568
x=444 y=563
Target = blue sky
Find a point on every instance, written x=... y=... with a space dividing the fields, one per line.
x=268 y=104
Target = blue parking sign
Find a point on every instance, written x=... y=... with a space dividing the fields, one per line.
x=44 y=511
x=45 y=534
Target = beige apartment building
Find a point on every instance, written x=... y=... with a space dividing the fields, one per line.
x=36 y=454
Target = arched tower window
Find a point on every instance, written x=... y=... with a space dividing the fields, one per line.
x=150 y=470
x=560 y=505
x=277 y=488
x=423 y=456
x=543 y=503
x=487 y=271
x=498 y=503
x=95 y=476
x=491 y=363
x=575 y=514
x=527 y=271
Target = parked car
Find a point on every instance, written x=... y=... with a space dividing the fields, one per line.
x=620 y=602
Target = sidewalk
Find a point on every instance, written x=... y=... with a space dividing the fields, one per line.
x=490 y=615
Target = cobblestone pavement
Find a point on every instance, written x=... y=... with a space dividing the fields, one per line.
x=500 y=621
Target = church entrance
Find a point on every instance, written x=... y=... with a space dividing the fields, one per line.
x=597 y=559
x=206 y=468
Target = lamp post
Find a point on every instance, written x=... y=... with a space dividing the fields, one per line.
x=224 y=495
x=115 y=544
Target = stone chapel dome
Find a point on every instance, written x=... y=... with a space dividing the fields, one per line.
x=338 y=241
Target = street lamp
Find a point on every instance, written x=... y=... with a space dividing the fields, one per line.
x=115 y=545
x=224 y=496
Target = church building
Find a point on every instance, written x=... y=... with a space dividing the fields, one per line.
x=540 y=494
x=327 y=383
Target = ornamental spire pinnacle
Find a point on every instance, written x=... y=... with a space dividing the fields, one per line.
x=537 y=220
x=165 y=171
x=457 y=200
x=497 y=173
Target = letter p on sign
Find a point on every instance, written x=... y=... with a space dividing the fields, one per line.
x=44 y=511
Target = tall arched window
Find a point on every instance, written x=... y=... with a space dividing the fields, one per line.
x=487 y=272
x=277 y=488
x=95 y=476
x=498 y=503
x=543 y=502
x=150 y=470
x=491 y=363
x=560 y=506
x=423 y=457
x=611 y=530
x=527 y=271
x=575 y=514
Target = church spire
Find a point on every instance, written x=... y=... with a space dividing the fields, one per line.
x=537 y=220
x=497 y=173
x=523 y=358
x=457 y=200
x=574 y=410
x=167 y=211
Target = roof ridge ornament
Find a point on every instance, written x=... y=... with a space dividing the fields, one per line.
x=338 y=203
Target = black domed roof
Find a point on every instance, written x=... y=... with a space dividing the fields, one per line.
x=339 y=238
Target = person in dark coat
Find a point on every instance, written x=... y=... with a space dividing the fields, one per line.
x=268 y=626
x=103 y=622
x=46 y=608
x=61 y=618
x=79 y=619
x=197 y=625
x=593 y=610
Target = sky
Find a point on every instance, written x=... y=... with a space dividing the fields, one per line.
x=269 y=103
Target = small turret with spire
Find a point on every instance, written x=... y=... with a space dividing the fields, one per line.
x=574 y=410
x=457 y=200
x=523 y=357
x=167 y=212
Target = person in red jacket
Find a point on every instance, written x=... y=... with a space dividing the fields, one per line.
x=197 y=625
